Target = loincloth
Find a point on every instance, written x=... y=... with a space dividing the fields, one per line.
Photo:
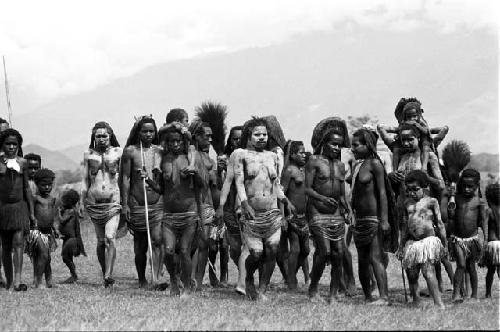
x=299 y=225
x=470 y=246
x=137 y=221
x=264 y=225
x=14 y=216
x=208 y=214
x=328 y=226
x=216 y=233
x=492 y=254
x=428 y=250
x=231 y=222
x=364 y=230
x=101 y=213
x=178 y=222
x=35 y=236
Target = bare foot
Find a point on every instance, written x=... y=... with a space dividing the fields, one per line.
x=261 y=297
x=174 y=290
x=186 y=295
x=316 y=298
x=240 y=290
x=143 y=283
x=250 y=290
x=108 y=281
x=380 y=302
x=70 y=280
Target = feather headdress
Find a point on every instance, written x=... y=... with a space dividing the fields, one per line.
x=214 y=114
x=456 y=155
x=324 y=128
x=274 y=131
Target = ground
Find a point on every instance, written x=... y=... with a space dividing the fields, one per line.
x=89 y=306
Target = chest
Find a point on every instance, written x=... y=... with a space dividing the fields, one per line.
x=261 y=164
x=106 y=162
x=326 y=170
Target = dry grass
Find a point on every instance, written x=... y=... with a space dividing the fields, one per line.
x=88 y=306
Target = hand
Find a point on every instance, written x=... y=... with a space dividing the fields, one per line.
x=350 y=218
x=284 y=225
x=386 y=228
x=80 y=210
x=221 y=163
x=142 y=173
x=126 y=212
x=330 y=201
x=400 y=253
x=396 y=177
x=248 y=211
x=219 y=213
x=189 y=170
x=290 y=208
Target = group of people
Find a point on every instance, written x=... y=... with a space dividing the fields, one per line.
x=187 y=195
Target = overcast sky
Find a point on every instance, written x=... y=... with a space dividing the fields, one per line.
x=54 y=48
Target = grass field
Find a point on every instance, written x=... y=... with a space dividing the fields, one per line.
x=88 y=306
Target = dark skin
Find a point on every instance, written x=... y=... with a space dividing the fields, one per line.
x=324 y=186
x=493 y=235
x=178 y=197
x=132 y=192
x=470 y=214
x=33 y=166
x=13 y=242
x=370 y=199
x=293 y=182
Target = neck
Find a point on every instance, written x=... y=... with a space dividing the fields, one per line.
x=145 y=145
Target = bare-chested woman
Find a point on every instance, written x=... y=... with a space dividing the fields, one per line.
x=143 y=139
x=371 y=202
x=257 y=184
x=101 y=193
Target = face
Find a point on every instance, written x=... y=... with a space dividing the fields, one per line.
x=300 y=156
x=185 y=120
x=235 y=139
x=10 y=146
x=33 y=166
x=102 y=138
x=469 y=187
x=413 y=190
x=408 y=140
x=3 y=126
x=204 y=139
x=258 y=139
x=332 y=146
x=411 y=115
x=44 y=187
x=175 y=144
x=147 y=133
x=358 y=148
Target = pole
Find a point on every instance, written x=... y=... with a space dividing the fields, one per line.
x=404 y=282
x=146 y=212
x=9 y=108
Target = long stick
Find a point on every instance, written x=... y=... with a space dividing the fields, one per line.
x=146 y=212
x=9 y=108
x=404 y=282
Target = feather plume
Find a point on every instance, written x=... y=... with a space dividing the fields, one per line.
x=456 y=155
x=275 y=131
x=215 y=115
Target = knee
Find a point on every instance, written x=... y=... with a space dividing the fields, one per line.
x=184 y=252
x=255 y=254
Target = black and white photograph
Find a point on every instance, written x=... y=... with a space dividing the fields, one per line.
x=249 y=165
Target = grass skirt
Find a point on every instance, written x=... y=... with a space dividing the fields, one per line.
x=178 y=222
x=328 y=226
x=470 y=247
x=138 y=217
x=101 y=213
x=364 y=230
x=42 y=241
x=264 y=225
x=14 y=216
x=428 y=250
x=492 y=254
x=208 y=214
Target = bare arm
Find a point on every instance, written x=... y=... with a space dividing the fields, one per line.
x=226 y=187
x=441 y=133
x=483 y=220
x=436 y=210
x=310 y=175
x=384 y=134
x=378 y=172
x=126 y=164
x=28 y=195
x=286 y=177
x=239 y=177
x=85 y=178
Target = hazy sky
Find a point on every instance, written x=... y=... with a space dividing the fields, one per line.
x=55 y=48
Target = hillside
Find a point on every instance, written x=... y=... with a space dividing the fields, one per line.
x=485 y=162
x=349 y=71
x=55 y=160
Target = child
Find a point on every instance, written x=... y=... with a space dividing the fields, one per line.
x=42 y=239
x=69 y=227
x=465 y=244
x=492 y=250
x=422 y=248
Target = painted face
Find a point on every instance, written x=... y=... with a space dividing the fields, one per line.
x=147 y=133
x=258 y=139
x=45 y=187
x=204 y=139
x=33 y=166
x=3 y=126
x=102 y=139
x=411 y=115
x=10 y=146
x=469 y=187
x=299 y=157
x=235 y=139
x=331 y=148
x=359 y=149
x=408 y=139
x=413 y=190
x=175 y=143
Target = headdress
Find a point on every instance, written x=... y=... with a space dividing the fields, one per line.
x=325 y=128
x=214 y=115
x=133 y=137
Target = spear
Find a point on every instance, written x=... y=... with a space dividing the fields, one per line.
x=146 y=212
x=9 y=108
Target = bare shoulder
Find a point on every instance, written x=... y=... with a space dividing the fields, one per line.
x=129 y=151
x=375 y=164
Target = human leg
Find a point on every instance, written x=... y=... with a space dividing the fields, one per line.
x=101 y=246
x=293 y=259
x=18 y=249
x=376 y=260
x=336 y=256
x=459 y=272
x=185 y=244
x=169 y=242
x=140 y=250
x=322 y=254
x=412 y=274
x=271 y=248
x=202 y=256
x=69 y=247
x=428 y=270
x=252 y=262
x=110 y=245
x=223 y=260
x=471 y=268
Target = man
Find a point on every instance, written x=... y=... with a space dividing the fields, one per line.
x=257 y=184
x=142 y=156
x=101 y=193
x=327 y=204
x=181 y=217
x=34 y=164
